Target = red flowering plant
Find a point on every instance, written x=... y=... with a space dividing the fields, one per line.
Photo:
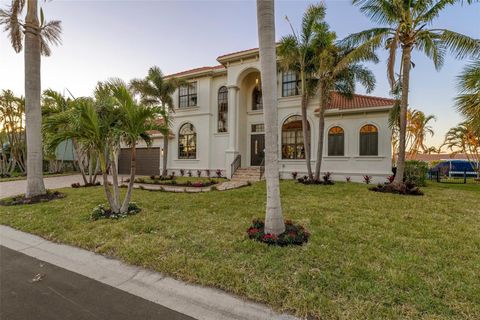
x=294 y=234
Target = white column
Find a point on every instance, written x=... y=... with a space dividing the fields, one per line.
x=232 y=117
x=232 y=149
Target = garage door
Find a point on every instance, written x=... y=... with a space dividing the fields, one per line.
x=148 y=161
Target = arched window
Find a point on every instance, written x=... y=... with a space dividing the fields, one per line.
x=223 y=109
x=336 y=142
x=292 y=138
x=369 y=140
x=187 y=142
x=257 y=103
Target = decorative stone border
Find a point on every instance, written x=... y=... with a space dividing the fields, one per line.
x=227 y=185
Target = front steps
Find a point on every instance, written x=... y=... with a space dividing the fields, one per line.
x=247 y=174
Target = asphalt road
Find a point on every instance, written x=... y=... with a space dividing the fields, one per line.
x=33 y=289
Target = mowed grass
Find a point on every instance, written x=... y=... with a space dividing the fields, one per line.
x=370 y=256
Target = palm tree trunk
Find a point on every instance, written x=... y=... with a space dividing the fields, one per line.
x=406 y=64
x=165 y=156
x=33 y=112
x=321 y=129
x=114 y=173
x=274 y=223
x=306 y=136
x=133 y=160
x=103 y=166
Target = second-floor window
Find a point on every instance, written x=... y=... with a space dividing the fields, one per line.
x=290 y=84
x=223 y=109
x=257 y=102
x=187 y=95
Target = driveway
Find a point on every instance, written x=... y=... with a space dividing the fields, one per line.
x=34 y=289
x=13 y=188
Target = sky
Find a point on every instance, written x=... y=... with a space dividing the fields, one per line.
x=104 y=39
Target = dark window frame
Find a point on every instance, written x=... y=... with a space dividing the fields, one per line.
x=297 y=143
x=187 y=95
x=368 y=140
x=336 y=142
x=290 y=84
x=187 y=150
x=222 y=114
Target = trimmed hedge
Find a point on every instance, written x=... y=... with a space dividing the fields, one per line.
x=416 y=172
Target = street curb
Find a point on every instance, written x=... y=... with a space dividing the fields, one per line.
x=201 y=303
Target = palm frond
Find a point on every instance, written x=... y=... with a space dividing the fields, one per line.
x=12 y=24
x=460 y=45
x=431 y=44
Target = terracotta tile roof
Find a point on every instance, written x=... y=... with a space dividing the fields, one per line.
x=436 y=156
x=337 y=101
x=195 y=70
x=159 y=121
x=236 y=52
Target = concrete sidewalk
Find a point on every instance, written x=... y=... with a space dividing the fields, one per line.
x=198 y=302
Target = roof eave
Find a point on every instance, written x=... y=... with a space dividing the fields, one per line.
x=356 y=110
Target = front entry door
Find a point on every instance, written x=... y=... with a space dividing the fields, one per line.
x=257 y=149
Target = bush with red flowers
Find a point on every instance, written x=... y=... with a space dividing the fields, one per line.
x=294 y=234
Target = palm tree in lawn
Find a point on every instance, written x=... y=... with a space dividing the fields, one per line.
x=407 y=27
x=155 y=90
x=468 y=99
x=339 y=69
x=274 y=223
x=297 y=54
x=38 y=35
x=419 y=129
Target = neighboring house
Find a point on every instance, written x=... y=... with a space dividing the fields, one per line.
x=219 y=116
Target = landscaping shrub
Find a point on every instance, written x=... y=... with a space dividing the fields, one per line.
x=325 y=181
x=348 y=179
x=207 y=172
x=390 y=178
x=407 y=188
x=189 y=172
x=199 y=173
x=294 y=175
x=218 y=172
x=182 y=172
x=78 y=185
x=294 y=234
x=416 y=172
x=367 y=179
x=327 y=178
x=100 y=212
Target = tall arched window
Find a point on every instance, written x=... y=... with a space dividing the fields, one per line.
x=369 y=140
x=336 y=142
x=257 y=102
x=187 y=142
x=223 y=109
x=292 y=138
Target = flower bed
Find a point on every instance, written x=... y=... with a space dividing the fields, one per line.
x=326 y=180
x=100 y=212
x=19 y=200
x=181 y=183
x=294 y=234
x=405 y=189
x=78 y=185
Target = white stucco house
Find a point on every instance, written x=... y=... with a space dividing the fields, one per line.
x=219 y=117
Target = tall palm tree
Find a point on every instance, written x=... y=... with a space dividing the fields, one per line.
x=418 y=128
x=38 y=34
x=274 y=223
x=468 y=99
x=339 y=69
x=406 y=27
x=155 y=90
x=297 y=53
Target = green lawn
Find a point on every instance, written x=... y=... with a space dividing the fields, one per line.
x=370 y=256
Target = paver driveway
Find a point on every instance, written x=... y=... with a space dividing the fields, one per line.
x=13 y=188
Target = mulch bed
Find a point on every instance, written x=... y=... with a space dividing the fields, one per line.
x=19 y=200
x=78 y=185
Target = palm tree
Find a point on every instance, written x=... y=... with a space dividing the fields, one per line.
x=464 y=138
x=38 y=35
x=338 y=70
x=407 y=28
x=297 y=53
x=418 y=128
x=155 y=90
x=274 y=223
x=468 y=99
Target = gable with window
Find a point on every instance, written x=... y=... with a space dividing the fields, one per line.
x=369 y=140
x=187 y=142
x=223 y=109
x=292 y=138
x=336 y=141
x=290 y=83
x=187 y=95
